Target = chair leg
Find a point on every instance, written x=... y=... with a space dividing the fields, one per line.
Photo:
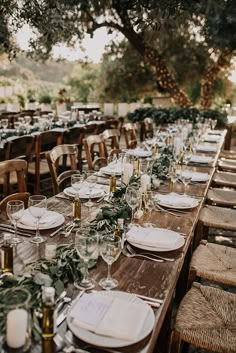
x=175 y=342
x=191 y=277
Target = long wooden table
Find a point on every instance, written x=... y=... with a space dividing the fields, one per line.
x=136 y=275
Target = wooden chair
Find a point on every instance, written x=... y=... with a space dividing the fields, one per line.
x=22 y=196
x=129 y=133
x=221 y=197
x=227 y=165
x=38 y=169
x=75 y=136
x=112 y=136
x=228 y=154
x=213 y=262
x=20 y=168
x=221 y=179
x=89 y=144
x=147 y=129
x=206 y=318
x=53 y=158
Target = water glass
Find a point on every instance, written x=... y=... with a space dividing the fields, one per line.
x=15 y=210
x=86 y=244
x=132 y=197
x=110 y=249
x=37 y=207
x=76 y=182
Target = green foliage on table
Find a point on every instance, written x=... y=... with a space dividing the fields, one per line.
x=162 y=116
x=162 y=164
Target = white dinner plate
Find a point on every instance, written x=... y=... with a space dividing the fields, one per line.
x=95 y=193
x=139 y=153
x=112 y=169
x=111 y=342
x=166 y=232
x=161 y=201
x=60 y=219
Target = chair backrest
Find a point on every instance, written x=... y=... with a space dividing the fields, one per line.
x=147 y=128
x=89 y=144
x=22 y=196
x=19 y=147
x=75 y=135
x=14 y=165
x=113 y=136
x=53 y=157
x=129 y=133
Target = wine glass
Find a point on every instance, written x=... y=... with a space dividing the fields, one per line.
x=173 y=175
x=91 y=183
x=132 y=197
x=37 y=208
x=149 y=205
x=76 y=182
x=186 y=177
x=15 y=210
x=110 y=249
x=86 y=244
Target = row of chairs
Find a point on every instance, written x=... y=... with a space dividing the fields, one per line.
x=206 y=316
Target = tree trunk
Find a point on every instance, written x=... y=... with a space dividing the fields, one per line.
x=165 y=79
x=212 y=72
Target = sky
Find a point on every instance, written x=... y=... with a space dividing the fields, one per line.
x=94 y=47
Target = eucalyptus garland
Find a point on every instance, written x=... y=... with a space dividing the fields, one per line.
x=162 y=164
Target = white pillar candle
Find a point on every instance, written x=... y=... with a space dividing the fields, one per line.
x=16 y=328
x=127 y=172
x=145 y=182
x=50 y=251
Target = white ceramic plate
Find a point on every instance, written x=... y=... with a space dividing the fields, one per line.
x=139 y=153
x=110 y=342
x=192 y=202
x=59 y=221
x=94 y=195
x=177 y=246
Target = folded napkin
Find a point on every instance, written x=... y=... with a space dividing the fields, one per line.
x=212 y=138
x=109 y=316
x=205 y=148
x=176 y=200
x=154 y=237
x=112 y=168
x=197 y=176
x=85 y=191
x=215 y=132
x=201 y=159
x=47 y=219
x=139 y=152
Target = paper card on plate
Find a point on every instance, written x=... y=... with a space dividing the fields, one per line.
x=109 y=316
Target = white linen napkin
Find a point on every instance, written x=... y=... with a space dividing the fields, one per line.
x=205 y=148
x=212 y=138
x=215 y=132
x=153 y=237
x=47 y=219
x=201 y=159
x=112 y=168
x=84 y=190
x=197 y=176
x=109 y=316
x=139 y=152
x=176 y=200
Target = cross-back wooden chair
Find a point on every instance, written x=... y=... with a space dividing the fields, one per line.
x=21 y=196
x=130 y=136
x=111 y=140
x=38 y=169
x=17 y=166
x=53 y=158
x=89 y=143
x=74 y=136
x=147 y=129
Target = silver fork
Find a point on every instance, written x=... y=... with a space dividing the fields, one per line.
x=128 y=254
x=132 y=251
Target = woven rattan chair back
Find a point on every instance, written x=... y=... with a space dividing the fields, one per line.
x=53 y=158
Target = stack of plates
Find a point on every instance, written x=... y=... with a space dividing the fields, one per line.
x=114 y=168
x=176 y=201
x=196 y=176
x=206 y=148
x=85 y=192
x=139 y=152
x=155 y=239
x=201 y=159
x=49 y=220
x=212 y=138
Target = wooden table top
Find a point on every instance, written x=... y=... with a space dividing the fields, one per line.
x=137 y=275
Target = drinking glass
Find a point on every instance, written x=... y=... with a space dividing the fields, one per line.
x=92 y=181
x=186 y=177
x=37 y=208
x=143 y=166
x=173 y=175
x=132 y=197
x=76 y=182
x=110 y=249
x=149 y=204
x=15 y=209
x=86 y=244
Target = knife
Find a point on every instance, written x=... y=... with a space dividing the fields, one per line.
x=12 y=231
x=64 y=312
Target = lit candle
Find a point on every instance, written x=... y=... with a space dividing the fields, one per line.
x=145 y=182
x=127 y=172
x=16 y=328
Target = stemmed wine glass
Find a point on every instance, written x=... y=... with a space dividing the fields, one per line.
x=132 y=197
x=173 y=175
x=186 y=177
x=86 y=244
x=76 y=181
x=37 y=208
x=110 y=249
x=91 y=184
x=15 y=209
x=149 y=205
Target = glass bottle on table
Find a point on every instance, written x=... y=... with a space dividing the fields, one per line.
x=49 y=312
x=7 y=255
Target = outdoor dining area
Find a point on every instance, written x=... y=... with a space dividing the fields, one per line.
x=108 y=235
